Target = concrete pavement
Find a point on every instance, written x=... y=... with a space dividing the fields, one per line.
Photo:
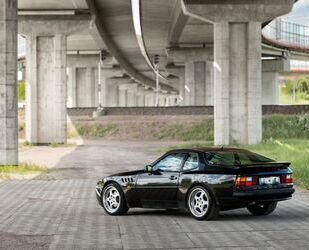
x=58 y=210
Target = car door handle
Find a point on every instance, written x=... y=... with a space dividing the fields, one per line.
x=173 y=177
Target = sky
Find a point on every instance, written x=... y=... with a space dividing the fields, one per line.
x=300 y=13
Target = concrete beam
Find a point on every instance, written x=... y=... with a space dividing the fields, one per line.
x=178 y=24
x=46 y=25
x=8 y=83
x=236 y=10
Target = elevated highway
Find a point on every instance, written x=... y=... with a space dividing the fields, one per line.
x=93 y=53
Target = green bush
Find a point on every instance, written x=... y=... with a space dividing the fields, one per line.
x=199 y=131
x=95 y=129
x=286 y=127
x=21 y=91
x=301 y=87
x=274 y=127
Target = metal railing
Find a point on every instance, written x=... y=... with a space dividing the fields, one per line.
x=292 y=33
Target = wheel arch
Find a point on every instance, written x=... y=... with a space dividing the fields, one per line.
x=207 y=187
x=121 y=188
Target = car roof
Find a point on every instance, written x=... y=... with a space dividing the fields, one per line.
x=208 y=149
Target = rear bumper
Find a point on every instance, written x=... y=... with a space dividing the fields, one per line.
x=277 y=194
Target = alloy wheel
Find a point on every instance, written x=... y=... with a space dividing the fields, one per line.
x=198 y=202
x=111 y=199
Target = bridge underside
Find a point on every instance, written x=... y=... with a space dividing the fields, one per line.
x=99 y=53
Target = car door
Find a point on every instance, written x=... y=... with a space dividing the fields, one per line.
x=159 y=188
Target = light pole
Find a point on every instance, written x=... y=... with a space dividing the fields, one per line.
x=103 y=55
x=100 y=109
x=156 y=59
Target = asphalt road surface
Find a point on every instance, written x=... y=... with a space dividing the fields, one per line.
x=58 y=210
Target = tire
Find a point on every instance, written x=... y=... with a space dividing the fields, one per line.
x=113 y=200
x=262 y=209
x=201 y=204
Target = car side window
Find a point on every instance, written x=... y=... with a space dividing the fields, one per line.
x=171 y=162
x=192 y=162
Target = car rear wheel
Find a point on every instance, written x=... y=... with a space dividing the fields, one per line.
x=201 y=204
x=263 y=208
x=113 y=200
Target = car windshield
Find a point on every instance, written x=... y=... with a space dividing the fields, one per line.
x=231 y=158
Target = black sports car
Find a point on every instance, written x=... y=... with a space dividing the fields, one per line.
x=203 y=181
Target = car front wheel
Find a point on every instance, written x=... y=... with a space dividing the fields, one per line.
x=113 y=200
x=263 y=208
x=201 y=204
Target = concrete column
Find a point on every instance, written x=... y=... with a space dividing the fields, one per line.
x=82 y=87
x=128 y=94
x=179 y=72
x=8 y=83
x=109 y=78
x=71 y=85
x=172 y=100
x=82 y=80
x=209 y=79
x=162 y=100
x=46 y=79
x=140 y=96
x=132 y=94
x=270 y=88
x=150 y=98
x=123 y=96
x=112 y=91
x=270 y=80
x=198 y=74
x=238 y=111
x=46 y=89
x=237 y=62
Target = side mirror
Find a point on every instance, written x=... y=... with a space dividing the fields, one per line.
x=148 y=168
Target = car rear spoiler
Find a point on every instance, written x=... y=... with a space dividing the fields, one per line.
x=249 y=168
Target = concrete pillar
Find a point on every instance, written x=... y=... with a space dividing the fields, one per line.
x=46 y=89
x=150 y=98
x=109 y=78
x=270 y=88
x=198 y=74
x=8 y=83
x=71 y=85
x=123 y=96
x=237 y=62
x=132 y=94
x=162 y=100
x=179 y=72
x=172 y=100
x=46 y=79
x=112 y=91
x=270 y=80
x=140 y=96
x=82 y=80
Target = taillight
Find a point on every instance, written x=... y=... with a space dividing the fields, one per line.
x=287 y=178
x=246 y=181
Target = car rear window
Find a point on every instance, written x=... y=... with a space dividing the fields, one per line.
x=232 y=158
